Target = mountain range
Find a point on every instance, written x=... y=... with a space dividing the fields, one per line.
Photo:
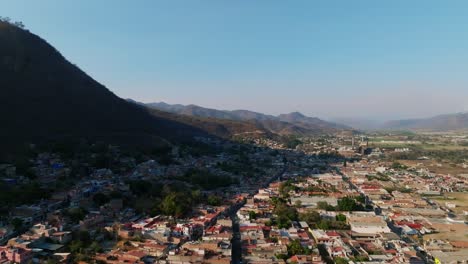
x=43 y=96
x=445 y=122
x=293 y=123
x=457 y=121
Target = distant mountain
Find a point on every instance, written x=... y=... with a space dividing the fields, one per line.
x=298 y=118
x=285 y=124
x=359 y=123
x=458 y=121
x=43 y=96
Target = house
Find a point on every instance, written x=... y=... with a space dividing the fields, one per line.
x=368 y=225
x=16 y=255
x=61 y=237
x=306 y=259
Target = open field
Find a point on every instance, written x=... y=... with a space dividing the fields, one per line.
x=459 y=199
x=448 y=231
x=415 y=144
x=435 y=167
x=443 y=147
x=455 y=235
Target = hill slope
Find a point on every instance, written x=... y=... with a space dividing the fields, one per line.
x=43 y=96
x=285 y=124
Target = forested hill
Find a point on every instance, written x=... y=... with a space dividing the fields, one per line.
x=44 y=96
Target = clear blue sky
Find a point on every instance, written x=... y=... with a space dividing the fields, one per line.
x=386 y=59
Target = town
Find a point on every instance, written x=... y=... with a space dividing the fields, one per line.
x=233 y=132
x=327 y=199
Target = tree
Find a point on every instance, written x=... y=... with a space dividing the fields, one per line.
x=339 y=260
x=252 y=215
x=17 y=223
x=348 y=204
x=325 y=206
x=84 y=236
x=176 y=204
x=283 y=222
x=100 y=199
x=51 y=261
x=283 y=210
x=324 y=253
x=292 y=143
x=140 y=187
x=95 y=247
x=285 y=214
x=295 y=248
x=341 y=217
x=324 y=224
x=75 y=246
x=19 y=24
x=298 y=204
x=281 y=256
x=310 y=217
x=214 y=200
x=5 y=19
x=285 y=188
x=76 y=214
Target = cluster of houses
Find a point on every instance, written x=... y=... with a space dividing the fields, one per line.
x=407 y=199
x=205 y=238
x=366 y=235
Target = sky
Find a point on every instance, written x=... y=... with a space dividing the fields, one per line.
x=366 y=59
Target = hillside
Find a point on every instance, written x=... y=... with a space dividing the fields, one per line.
x=298 y=118
x=458 y=121
x=44 y=96
x=284 y=124
x=359 y=123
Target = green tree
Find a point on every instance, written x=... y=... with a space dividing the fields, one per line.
x=324 y=224
x=341 y=217
x=95 y=247
x=295 y=248
x=325 y=206
x=84 y=236
x=176 y=204
x=100 y=199
x=76 y=246
x=310 y=217
x=298 y=204
x=252 y=215
x=281 y=256
x=348 y=204
x=214 y=200
x=339 y=260
x=76 y=214
x=17 y=223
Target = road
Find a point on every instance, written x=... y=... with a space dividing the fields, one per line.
x=236 y=244
x=236 y=241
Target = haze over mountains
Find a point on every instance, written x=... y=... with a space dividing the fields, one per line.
x=299 y=124
x=445 y=122
x=457 y=121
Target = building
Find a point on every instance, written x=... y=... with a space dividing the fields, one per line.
x=15 y=255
